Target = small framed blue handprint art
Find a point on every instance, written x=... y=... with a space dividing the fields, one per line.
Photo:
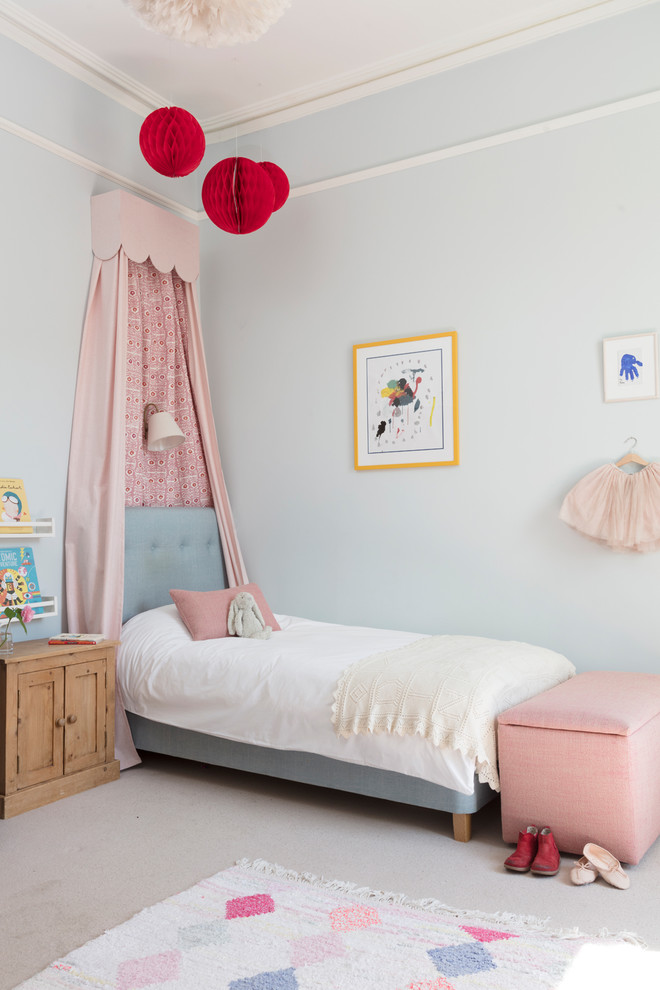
x=630 y=367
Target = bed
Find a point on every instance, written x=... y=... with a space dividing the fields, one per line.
x=228 y=702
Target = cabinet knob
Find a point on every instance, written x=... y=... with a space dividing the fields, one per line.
x=71 y=719
x=61 y=722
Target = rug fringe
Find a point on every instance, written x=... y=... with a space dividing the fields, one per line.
x=522 y=924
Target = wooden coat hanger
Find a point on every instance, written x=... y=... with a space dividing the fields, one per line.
x=631 y=457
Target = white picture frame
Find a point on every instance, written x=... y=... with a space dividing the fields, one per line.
x=630 y=367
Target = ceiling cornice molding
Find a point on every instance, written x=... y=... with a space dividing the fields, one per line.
x=399 y=71
x=58 y=49
x=31 y=32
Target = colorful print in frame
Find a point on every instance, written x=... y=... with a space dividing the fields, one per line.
x=406 y=402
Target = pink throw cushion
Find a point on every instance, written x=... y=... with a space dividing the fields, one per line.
x=205 y=612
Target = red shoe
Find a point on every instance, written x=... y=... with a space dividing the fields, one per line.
x=521 y=860
x=547 y=859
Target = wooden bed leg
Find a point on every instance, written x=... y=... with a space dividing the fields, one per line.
x=462 y=827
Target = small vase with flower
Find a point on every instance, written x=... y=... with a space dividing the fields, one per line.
x=24 y=615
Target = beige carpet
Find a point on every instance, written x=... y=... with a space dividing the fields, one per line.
x=77 y=867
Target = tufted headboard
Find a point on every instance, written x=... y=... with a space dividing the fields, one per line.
x=169 y=548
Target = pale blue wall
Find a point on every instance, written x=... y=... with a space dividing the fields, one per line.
x=58 y=107
x=534 y=252
x=612 y=60
x=45 y=264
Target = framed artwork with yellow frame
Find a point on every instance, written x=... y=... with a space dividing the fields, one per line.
x=406 y=402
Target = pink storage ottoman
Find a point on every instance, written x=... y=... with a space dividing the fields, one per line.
x=584 y=759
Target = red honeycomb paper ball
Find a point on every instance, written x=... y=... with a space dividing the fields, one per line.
x=280 y=182
x=238 y=195
x=172 y=141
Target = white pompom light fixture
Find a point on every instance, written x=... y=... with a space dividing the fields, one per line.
x=210 y=23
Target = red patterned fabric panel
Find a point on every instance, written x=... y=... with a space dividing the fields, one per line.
x=157 y=371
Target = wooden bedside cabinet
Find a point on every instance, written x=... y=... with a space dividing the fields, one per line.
x=57 y=723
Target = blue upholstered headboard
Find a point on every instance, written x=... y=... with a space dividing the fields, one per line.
x=169 y=548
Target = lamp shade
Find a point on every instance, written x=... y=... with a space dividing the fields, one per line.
x=172 y=141
x=280 y=182
x=238 y=195
x=163 y=433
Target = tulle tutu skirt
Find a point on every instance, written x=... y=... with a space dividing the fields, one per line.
x=615 y=508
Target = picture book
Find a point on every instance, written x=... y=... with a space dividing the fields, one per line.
x=76 y=639
x=18 y=578
x=13 y=506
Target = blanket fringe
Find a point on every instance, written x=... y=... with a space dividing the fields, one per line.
x=520 y=924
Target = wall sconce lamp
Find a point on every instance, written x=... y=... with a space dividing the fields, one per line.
x=160 y=429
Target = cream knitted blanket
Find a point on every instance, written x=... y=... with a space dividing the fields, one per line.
x=448 y=688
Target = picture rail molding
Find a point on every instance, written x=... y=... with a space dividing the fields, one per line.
x=481 y=144
x=75 y=159
x=549 y=126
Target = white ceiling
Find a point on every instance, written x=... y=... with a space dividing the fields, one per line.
x=320 y=52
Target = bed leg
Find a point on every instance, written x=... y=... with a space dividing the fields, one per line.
x=462 y=827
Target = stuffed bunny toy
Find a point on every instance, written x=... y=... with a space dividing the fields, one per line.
x=245 y=618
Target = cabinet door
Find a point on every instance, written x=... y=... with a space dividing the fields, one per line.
x=39 y=737
x=84 y=708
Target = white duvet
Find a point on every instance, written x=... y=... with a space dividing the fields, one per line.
x=276 y=693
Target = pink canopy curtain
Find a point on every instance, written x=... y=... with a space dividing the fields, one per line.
x=123 y=228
